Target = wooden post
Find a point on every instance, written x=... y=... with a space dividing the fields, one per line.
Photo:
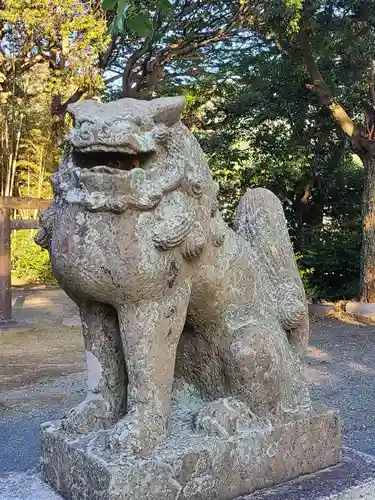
x=5 y=290
x=23 y=202
x=24 y=224
x=6 y=204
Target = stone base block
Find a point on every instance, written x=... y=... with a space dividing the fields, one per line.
x=352 y=479
x=192 y=465
x=367 y=310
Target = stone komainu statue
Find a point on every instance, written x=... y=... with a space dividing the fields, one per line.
x=166 y=291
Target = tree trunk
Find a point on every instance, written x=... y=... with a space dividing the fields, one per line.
x=13 y=165
x=367 y=282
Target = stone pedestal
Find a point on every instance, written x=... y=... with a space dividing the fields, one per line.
x=361 y=309
x=191 y=465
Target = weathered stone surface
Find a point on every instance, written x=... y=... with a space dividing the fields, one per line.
x=352 y=479
x=191 y=465
x=169 y=295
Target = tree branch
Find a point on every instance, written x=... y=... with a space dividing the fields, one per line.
x=126 y=84
x=58 y=108
x=321 y=89
x=105 y=57
x=30 y=63
x=372 y=79
x=113 y=79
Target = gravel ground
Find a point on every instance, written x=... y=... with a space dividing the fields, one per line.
x=42 y=376
x=341 y=369
x=23 y=412
x=41 y=373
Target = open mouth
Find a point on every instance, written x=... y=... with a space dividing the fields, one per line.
x=110 y=162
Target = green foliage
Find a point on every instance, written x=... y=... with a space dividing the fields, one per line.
x=69 y=35
x=306 y=273
x=170 y=43
x=108 y=4
x=330 y=263
x=139 y=24
x=49 y=52
x=30 y=263
x=279 y=14
x=261 y=125
x=137 y=17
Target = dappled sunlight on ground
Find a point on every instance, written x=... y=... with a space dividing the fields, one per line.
x=340 y=367
x=318 y=376
x=318 y=354
x=49 y=349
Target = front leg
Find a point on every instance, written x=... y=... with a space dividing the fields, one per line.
x=150 y=332
x=105 y=401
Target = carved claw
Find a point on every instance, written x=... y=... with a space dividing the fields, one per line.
x=195 y=242
x=137 y=433
x=90 y=415
x=224 y=417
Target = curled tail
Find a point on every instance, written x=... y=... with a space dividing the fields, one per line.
x=260 y=219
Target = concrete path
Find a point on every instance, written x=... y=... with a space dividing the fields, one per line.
x=35 y=302
x=23 y=410
x=25 y=486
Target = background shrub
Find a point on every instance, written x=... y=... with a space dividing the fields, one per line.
x=30 y=263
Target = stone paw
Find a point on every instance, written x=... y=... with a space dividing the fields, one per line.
x=137 y=433
x=224 y=417
x=299 y=403
x=90 y=415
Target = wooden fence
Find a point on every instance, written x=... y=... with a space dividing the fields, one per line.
x=8 y=203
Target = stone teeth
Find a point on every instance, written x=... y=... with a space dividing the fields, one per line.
x=103 y=168
x=99 y=169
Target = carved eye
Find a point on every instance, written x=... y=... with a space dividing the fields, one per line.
x=138 y=121
x=105 y=129
x=85 y=134
x=85 y=131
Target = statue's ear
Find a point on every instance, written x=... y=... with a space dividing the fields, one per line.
x=85 y=108
x=72 y=109
x=167 y=110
